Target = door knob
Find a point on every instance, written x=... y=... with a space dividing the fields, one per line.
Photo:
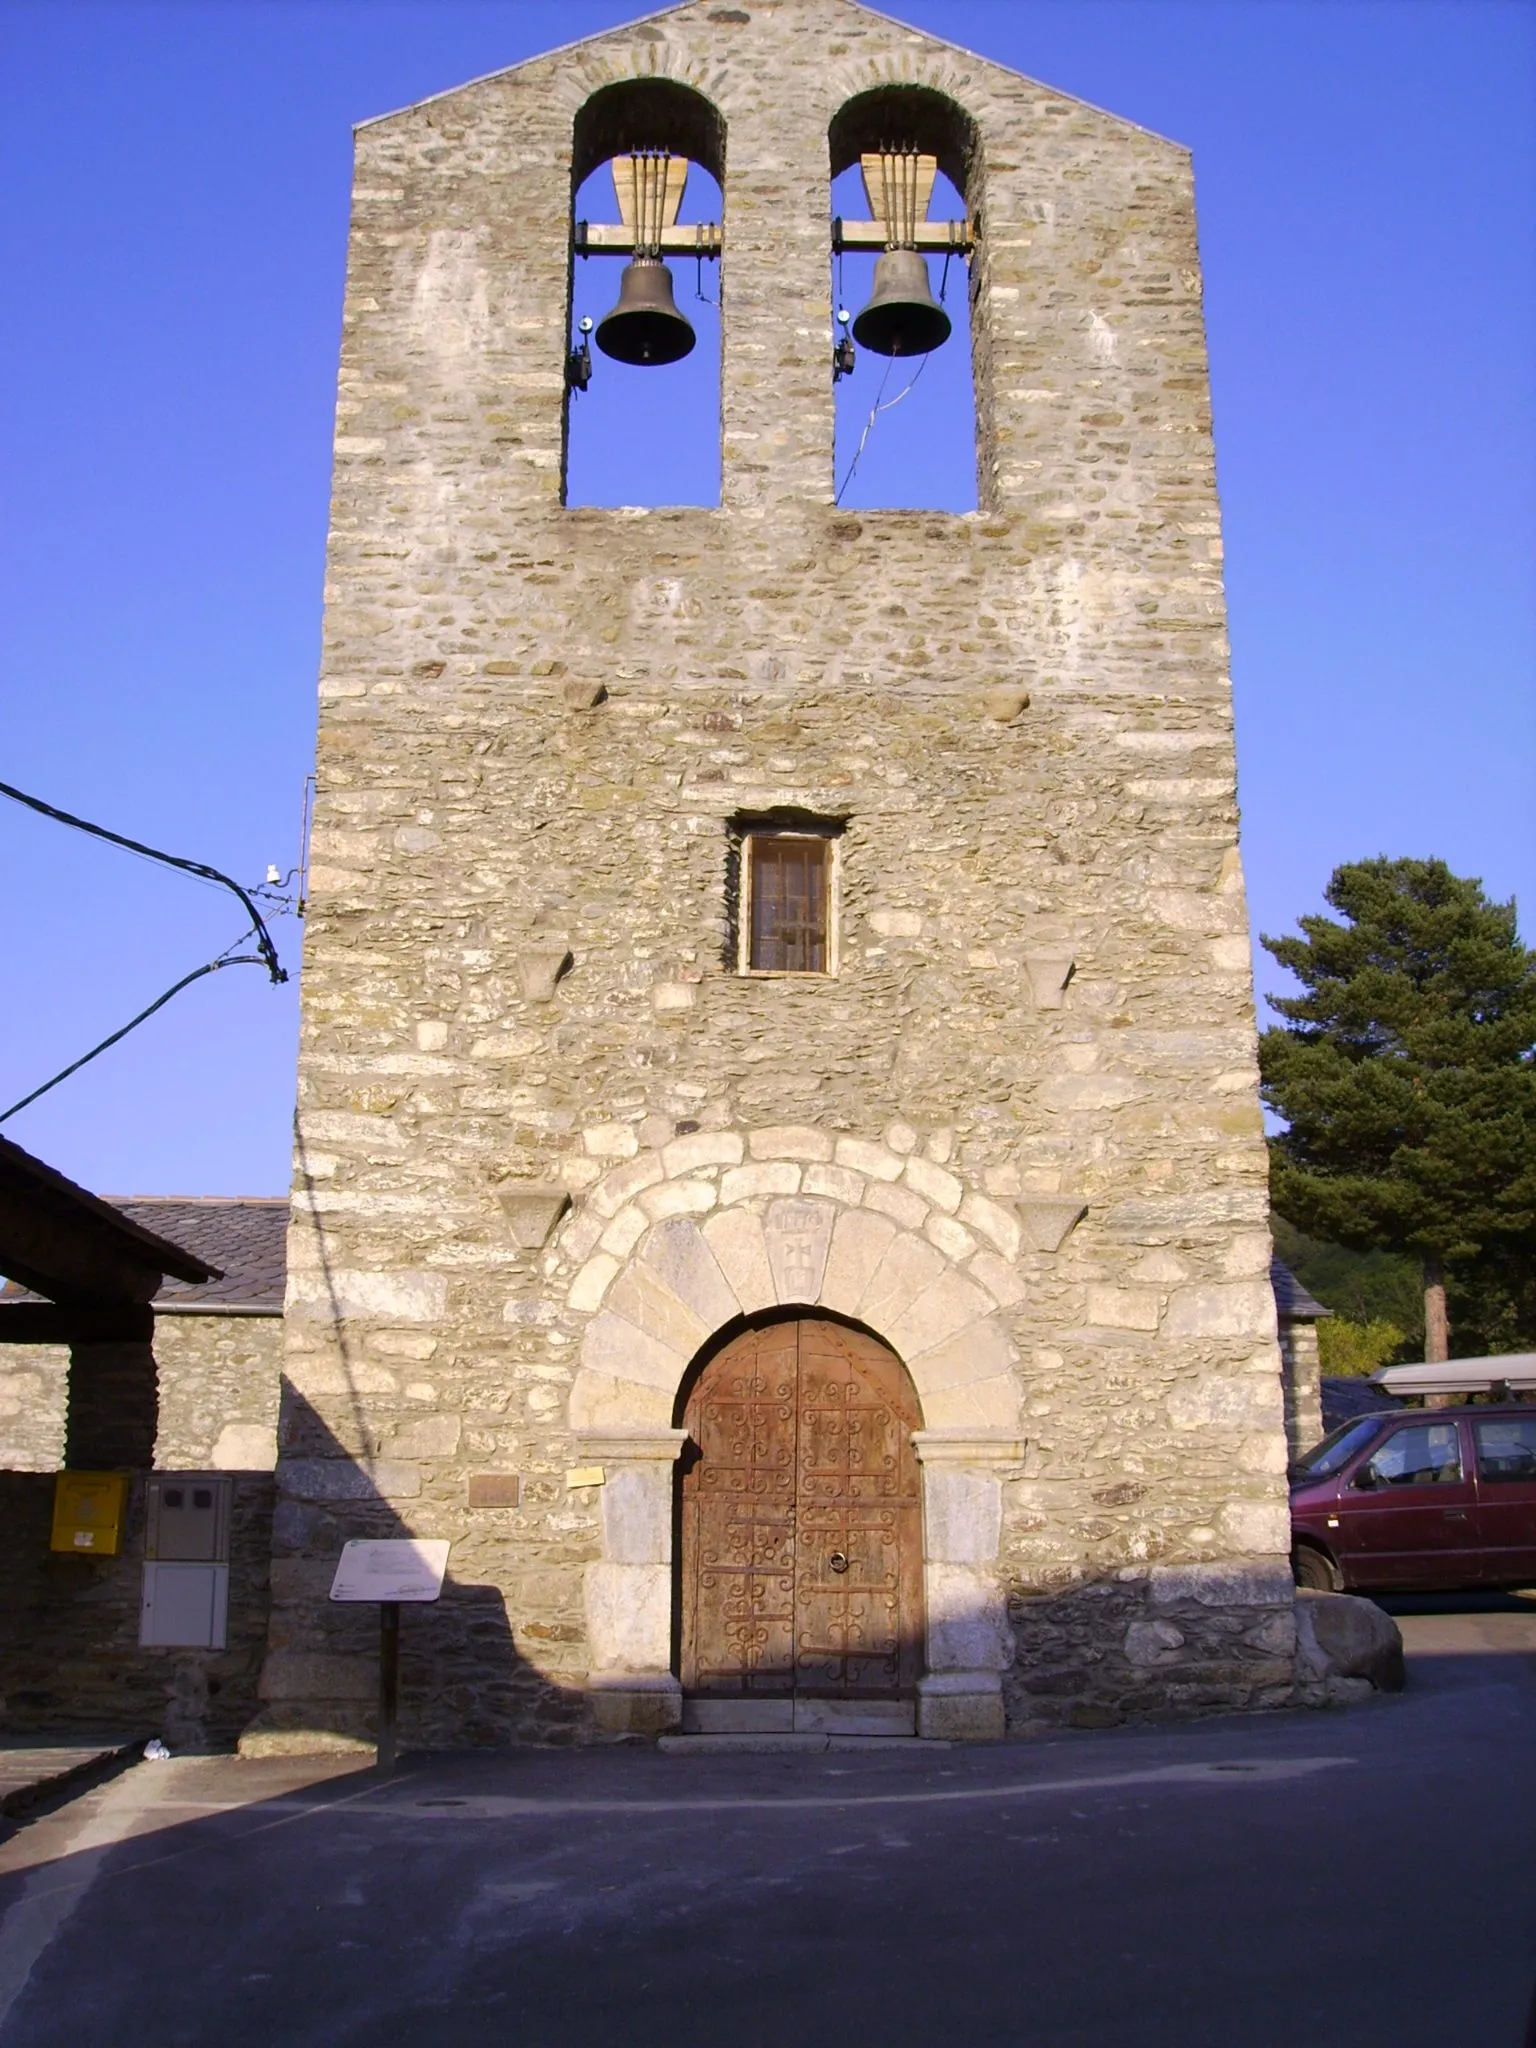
x=838 y=1561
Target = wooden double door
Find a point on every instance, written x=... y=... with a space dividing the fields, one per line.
x=801 y=1535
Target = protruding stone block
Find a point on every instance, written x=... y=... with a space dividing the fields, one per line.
x=532 y=1213
x=539 y=968
x=1047 y=1222
x=1049 y=972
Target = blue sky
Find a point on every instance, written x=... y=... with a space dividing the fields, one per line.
x=173 y=243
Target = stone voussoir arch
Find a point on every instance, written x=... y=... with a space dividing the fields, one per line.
x=677 y=1243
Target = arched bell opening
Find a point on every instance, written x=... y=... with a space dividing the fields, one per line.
x=798 y=1531
x=905 y=163
x=642 y=407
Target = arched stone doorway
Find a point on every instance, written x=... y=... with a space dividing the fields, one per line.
x=801 y=1555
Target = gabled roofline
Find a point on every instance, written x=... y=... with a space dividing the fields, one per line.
x=54 y=1193
x=875 y=13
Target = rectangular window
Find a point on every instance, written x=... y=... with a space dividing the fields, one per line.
x=787 y=882
x=1506 y=1449
x=1428 y=1454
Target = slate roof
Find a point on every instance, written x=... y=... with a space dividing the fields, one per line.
x=244 y=1236
x=89 y=1233
x=1347 y=1400
x=1292 y=1301
x=240 y=1239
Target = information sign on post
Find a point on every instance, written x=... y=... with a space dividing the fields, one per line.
x=390 y=1571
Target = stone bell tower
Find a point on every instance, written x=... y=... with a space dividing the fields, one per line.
x=779 y=1179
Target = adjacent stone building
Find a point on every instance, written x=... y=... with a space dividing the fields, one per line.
x=780 y=1182
x=99 y=1376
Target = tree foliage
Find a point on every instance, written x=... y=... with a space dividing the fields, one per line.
x=1406 y=1075
x=1349 y=1350
x=1358 y=1286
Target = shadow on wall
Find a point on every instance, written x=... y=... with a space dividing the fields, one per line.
x=70 y=1659
x=463 y=1680
x=1164 y=1644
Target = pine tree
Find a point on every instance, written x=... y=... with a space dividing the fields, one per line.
x=1406 y=1076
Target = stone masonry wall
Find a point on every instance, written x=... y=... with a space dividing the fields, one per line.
x=218 y=1379
x=1043 y=1006
x=34 y=1386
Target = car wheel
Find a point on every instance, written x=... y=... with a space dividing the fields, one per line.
x=1312 y=1569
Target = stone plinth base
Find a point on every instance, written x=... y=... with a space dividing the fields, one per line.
x=636 y=1703
x=960 y=1706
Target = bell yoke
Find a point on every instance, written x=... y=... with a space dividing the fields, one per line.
x=645 y=328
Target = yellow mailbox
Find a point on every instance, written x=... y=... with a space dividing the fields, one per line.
x=88 y=1512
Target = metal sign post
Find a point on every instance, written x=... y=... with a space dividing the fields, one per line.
x=389 y=1683
x=406 y=1570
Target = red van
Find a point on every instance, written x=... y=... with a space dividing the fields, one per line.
x=1417 y=1501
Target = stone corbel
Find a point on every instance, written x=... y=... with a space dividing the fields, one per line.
x=632 y=1687
x=533 y=1213
x=1049 y=973
x=1049 y=1221
x=538 y=969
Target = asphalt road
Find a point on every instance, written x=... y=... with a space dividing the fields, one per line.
x=1335 y=1880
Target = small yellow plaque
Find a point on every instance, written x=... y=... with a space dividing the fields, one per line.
x=585 y=1475
x=88 y=1513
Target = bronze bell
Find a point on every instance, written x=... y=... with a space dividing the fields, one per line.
x=903 y=318
x=645 y=326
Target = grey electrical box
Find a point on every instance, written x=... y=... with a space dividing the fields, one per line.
x=185 y=1606
x=187 y=1518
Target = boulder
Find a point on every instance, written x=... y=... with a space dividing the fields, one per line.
x=1340 y=1636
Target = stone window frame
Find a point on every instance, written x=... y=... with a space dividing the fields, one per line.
x=744 y=831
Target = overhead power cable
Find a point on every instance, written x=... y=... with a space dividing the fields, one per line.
x=230 y=959
x=263 y=937
x=264 y=956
